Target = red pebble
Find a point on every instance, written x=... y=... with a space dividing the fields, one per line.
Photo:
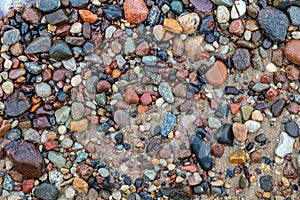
x=51 y=144
x=265 y=79
x=27 y=186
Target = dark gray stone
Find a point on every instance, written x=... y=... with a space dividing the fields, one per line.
x=47 y=5
x=45 y=191
x=57 y=18
x=266 y=183
x=79 y=3
x=292 y=129
x=16 y=104
x=11 y=37
x=60 y=51
x=294 y=14
x=202 y=152
x=38 y=45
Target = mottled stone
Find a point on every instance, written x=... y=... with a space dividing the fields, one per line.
x=217 y=74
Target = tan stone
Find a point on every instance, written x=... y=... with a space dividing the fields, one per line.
x=172 y=25
x=80 y=185
x=217 y=74
x=239 y=131
x=238 y=157
x=81 y=125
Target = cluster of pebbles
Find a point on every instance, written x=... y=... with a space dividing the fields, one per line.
x=156 y=99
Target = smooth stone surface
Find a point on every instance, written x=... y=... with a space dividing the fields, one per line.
x=77 y=110
x=277 y=107
x=292 y=129
x=112 y=12
x=62 y=114
x=265 y=183
x=274 y=23
x=11 y=37
x=57 y=159
x=217 y=74
x=204 y=6
x=203 y=155
x=168 y=124
x=222 y=14
x=240 y=11
x=285 y=145
x=47 y=5
x=122 y=118
x=225 y=134
x=58 y=17
x=79 y=3
x=252 y=125
x=135 y=11
x=292 y=51
x=60 y=51
x=46 y=191
x=43 y=90
x=33 y=67
x=227 y=3
x=239 y=131
x=246 y=112
x=294 y=14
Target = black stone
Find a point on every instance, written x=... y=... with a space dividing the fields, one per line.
x=274 y=23
x=202 y=152
x=60 y=51
x=119 y=138
x=261 y=138
x=112 y=12
x=163 y=55
x=207 y=24
x=266 y=183
x=292 y=129
x=45 y=191
x=231 y=90
x=154 y=15
x=277 y=107
x=225 y=134
x=79 y=3
x=16 y=104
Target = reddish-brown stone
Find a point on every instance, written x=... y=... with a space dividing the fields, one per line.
x=279 y=77
x=292 y=72
x=217 y=150
x=191 y=168
x=32 y=15
x=63 y=30
x=292 y=51
x=4 y=128
x=277 y=57
x=182 y=74
x=41 y=123
x=88 y=16
x=271 y=93
x=86 y=30
x=47 y=74
x=293 y=108
x=185 y=106
x=59 y=75
x=217 y=74
x=236 y=27
x=103 y=86
x=142 y=49
x=27 y=185
x=25 y=158
x=234 y=108
x=51 y=144
x=135 y=11
x=84 y=171
x=256 y=156
x=131 y=96
x=289 y=170
x=265 y=79
x=214 y=104
x=146 y=99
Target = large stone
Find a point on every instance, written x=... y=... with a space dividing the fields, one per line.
x=217 y=74
x=46 y=191
x=25 y=158
x=203 y=155
x=11 y=37
x=285 y=145
x=283 y=4
x=38 y=45
x=16 y=104
x=58 y=17
x=292 y=51
x=294 y=13
x=204 y=6
x=135 y=11
x=274 y=23
x=32 y=15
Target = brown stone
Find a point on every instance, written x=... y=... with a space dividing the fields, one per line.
x=16 y=49
x=86 y=30
x=88 y=16
x=265 y=79
x=76 y=41
x=289 y=170
x=271 y=93
x=84 y=171
x=236 y=27
x=142 y=49
x=25 y=158
x=131 y=96
x=238 y=157
x=293 y=108
x=292 y=51
x=279 y=77
x=135 y=11
x=217 y=74
x=146 y=99
x=292 y=72
x=116 y=73
x=103 y=86
x=277 y=57
x=63 y=30
x=185 y=106
x=217 y=150
x=251 y=25
x=80 y=185
x=4 y=128
x=47 y=74
x=59 y=75
x=81 y=125
x=172 y=25
x=165 y=153
x=178 y=47
x=41 y=123
x=240 y=131
x=256 y=156
x=32 y=15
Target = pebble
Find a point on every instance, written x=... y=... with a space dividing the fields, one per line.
x=168 y=124
x=48 y=6
x=238 y=157
x=294 y=14
x=253 y=126
x=214 y=123
x=217 y=74
x=274 y=23
x=237 y=27
x=203 y=155
x=131 y=96
x=189 y=22
x=265 y=183
x=112 y=12
x=291 y=51
x=32 y=15
x=57 y=159
x=150 y=174
x=239 y=131
x=238 y=10
x=285 y=145
x=58 y=17
x=62 y=114
x=79 y=3
x=11 y=37
x=246 y=112
x=8 y=183
x=135 y=11
x=222 y=14
x=80 y=125
x=158 y=32
x=60 y=51
x=39 y=45
x=46 y=191
x=172 y=25
x=178 y=47
x=165 y=91
x=241 y=59
x=43 y=90
x=25 y=158
x=257 y=116
x=225 y=134
x=122 y=118
x=16 y=104
x=8 y=87
x=154 y=15
x=292 y=129
x=277 y=107
x=227 y=3
x=103 y=172
x=76 y=28
x=204 y=6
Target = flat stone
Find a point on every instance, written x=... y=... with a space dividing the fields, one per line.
x=165 y=91
x=88 y=16
x=112 y=12
x=292 y=129
x=58 y=17
x=25 y=158
x=39 y=45
x=285 y=145
x=292 y=51
x=202 y=152
x=246 y=112
x=192 y=45
x=259 y=87
x=46 y=191
x=16 y=104
x=294 y=13
x=131 y=96
x=253 y=126
x=274 y=23
x=11 y=37
x=57 y=159
x=150 y=174
x=79 y=3
x=227 y=3
x=214 y=123
x=43 y=90
x=204 y=6
x=240 y=11
x=62 y=114
x=80 y=125
x=257 y=116
x=195 y=179
x=122 y=118
x=47 y=5
x=32 y=15
x=217 y=74
x=168 y=124
x=239 y=131
x=283 y=4
x=277 y=107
